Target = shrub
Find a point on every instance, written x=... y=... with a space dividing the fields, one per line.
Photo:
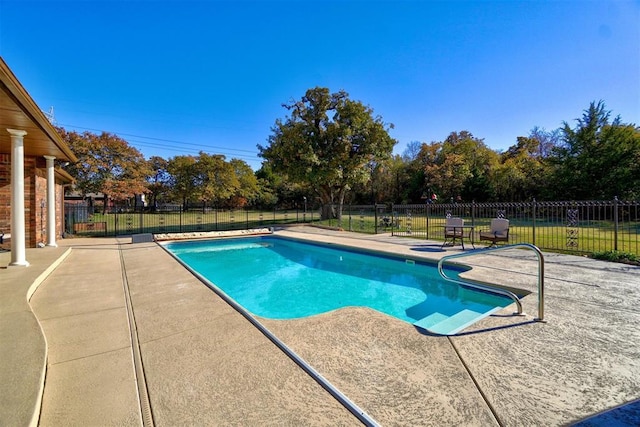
x=617 y=256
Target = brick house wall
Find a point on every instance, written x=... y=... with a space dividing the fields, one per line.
x=59 y=210
x=5 y=193
x=35 y=203
x=39 y=203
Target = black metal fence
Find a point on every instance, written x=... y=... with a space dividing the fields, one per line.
x=576 y=227
x=579 y=227
x=81 y=219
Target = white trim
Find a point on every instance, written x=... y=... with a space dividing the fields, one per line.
x=51 y=202
x=18 y=240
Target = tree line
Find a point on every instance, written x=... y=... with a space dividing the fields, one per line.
x=332 y=150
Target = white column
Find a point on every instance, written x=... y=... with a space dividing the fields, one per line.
x=18 y=250
x=51 y=202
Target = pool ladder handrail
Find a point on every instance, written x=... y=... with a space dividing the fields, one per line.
x=497 y=290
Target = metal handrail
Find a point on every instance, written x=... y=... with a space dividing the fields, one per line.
x=501 y=291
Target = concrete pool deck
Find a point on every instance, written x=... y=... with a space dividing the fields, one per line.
x=129 y=337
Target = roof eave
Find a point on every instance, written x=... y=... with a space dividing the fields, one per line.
x=32 y=110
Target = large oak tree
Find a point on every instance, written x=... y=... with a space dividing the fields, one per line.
x=159 y=180
x=216 y=180
x=106 y=164
x=211 y=180
x=460 y=166
x=329 y=142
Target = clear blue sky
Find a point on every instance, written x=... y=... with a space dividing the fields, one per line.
x=177 y=77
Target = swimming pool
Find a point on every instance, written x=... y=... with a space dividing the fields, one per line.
x=279 y=278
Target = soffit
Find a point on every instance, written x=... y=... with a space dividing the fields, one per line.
x=19 y=111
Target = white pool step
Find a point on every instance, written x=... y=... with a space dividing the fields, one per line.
x=221 y=248
x=430 y=320
x=448 y=325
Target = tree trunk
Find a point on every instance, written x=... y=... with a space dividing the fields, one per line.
x=327 y=211
x=326 y=198
x=341 y=193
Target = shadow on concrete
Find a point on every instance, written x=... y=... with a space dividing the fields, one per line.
x=478 y=331
x=428 y=248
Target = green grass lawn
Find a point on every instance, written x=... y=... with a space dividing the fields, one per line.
x=136 y=222
x=586 y=237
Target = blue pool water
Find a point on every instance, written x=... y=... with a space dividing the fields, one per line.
x=283 y=279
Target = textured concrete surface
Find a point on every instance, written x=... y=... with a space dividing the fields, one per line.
x=23 y=348
x=205 y=364
x=82 y=310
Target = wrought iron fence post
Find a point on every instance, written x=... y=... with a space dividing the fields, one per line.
x=473 y=213
x=534 y=205
x=247 y=211
x=393 y=220
x=375 y=218
x=340 y=216
x=573 y=226
x=428 y=215
x=615 y=223
x=180 y=211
